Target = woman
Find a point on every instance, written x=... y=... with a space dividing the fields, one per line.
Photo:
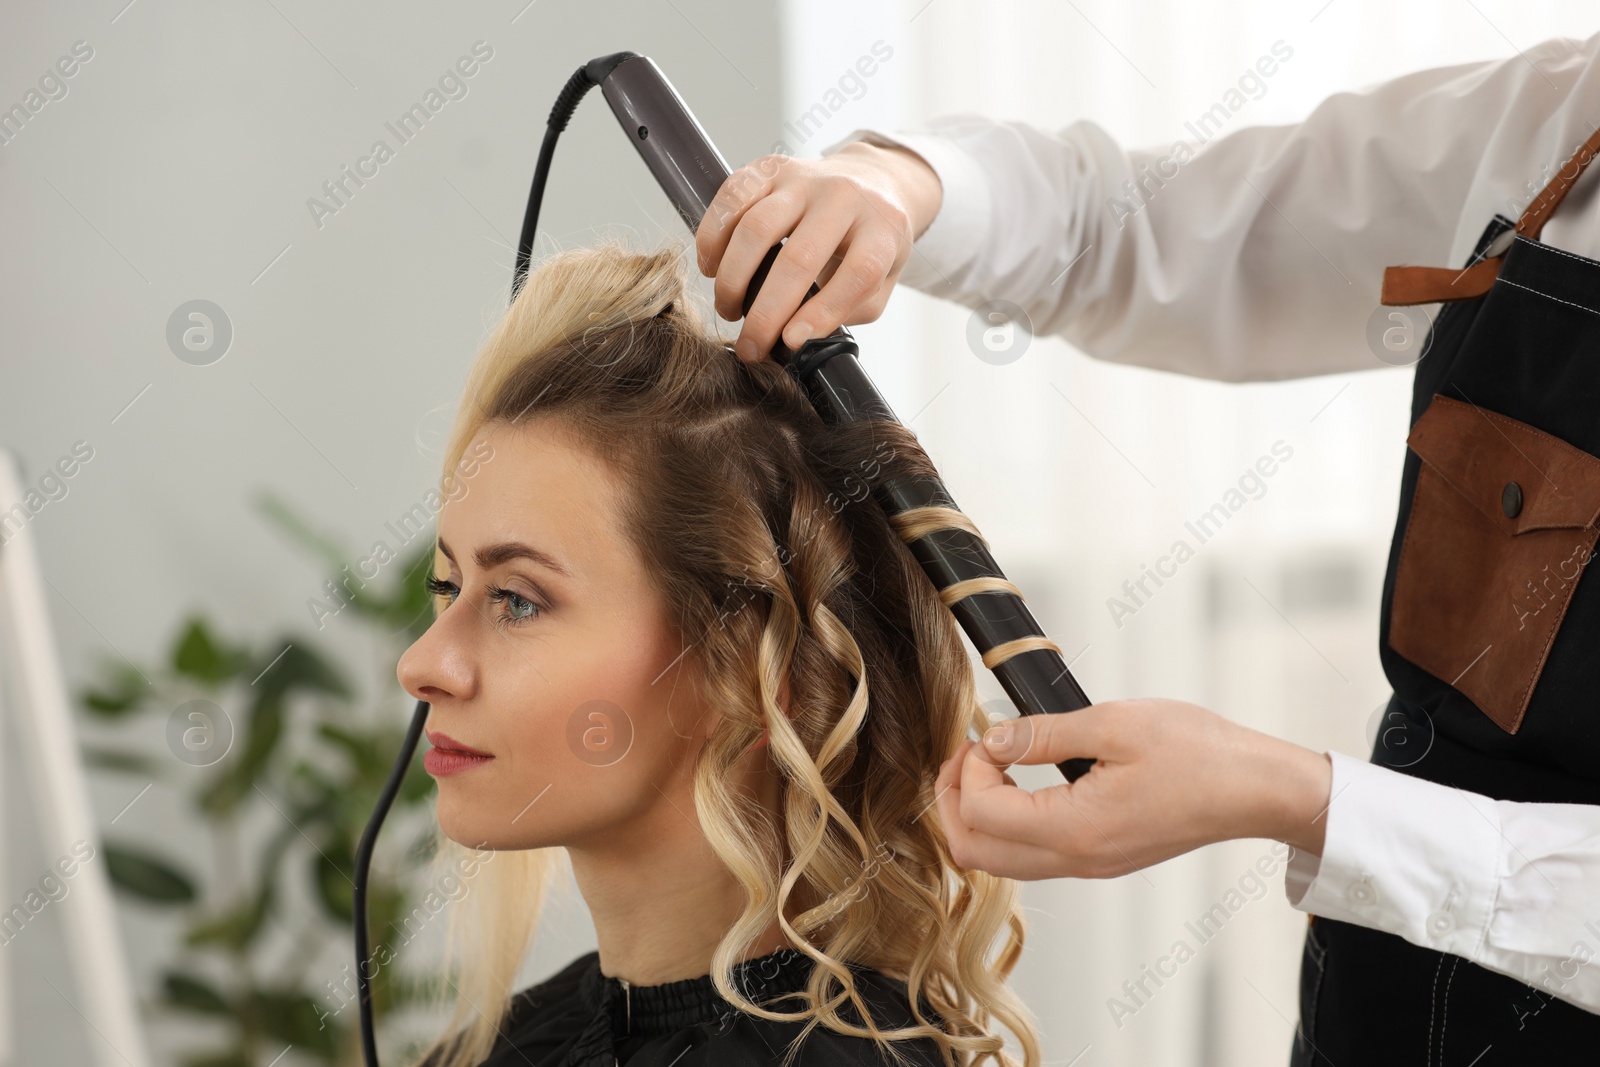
x=677 y=641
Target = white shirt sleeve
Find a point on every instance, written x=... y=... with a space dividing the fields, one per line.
x=1511 y=887
x=1258 y=254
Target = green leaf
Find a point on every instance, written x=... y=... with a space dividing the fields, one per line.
x=361 y=750
x=128 y=762
x=218 y=931
x=262 y=734
x=107 y=704
x=292 y=1016
x=201 y=656
x=293 y=665
x=327 y=806
x=229 y=1058
x=236 y=928
x=186 y=991
x=253 y=919
x=124 y=691
x=147 y=876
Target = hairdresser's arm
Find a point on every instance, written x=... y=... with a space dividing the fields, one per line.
x=1260 y=257
x=1512 y=887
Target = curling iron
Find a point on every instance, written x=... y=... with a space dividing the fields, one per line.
x=989 y=608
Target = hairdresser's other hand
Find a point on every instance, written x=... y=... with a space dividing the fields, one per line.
x=1170 y=777
x=850 y=218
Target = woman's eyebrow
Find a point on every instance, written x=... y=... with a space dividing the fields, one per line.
x=494 y=555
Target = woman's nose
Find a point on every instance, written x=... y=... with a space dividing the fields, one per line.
x=438 y=664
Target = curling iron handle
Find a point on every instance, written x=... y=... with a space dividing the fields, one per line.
x=685 y=163
x=675 y=147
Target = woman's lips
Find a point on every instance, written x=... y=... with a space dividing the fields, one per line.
x=449 y=756
x=439 y=761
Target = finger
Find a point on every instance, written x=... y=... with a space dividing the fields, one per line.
x=763 y=225
x=974 y=773
x=802 y=257
x=737 y=193
x=949 y=776
x=1090 y=732
x=865 y=269
x=993 y=806
x=985 y=790
x=973 y=850
x=827 y=272
x=950 y=769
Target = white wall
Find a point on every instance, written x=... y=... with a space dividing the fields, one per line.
x=1150 y=449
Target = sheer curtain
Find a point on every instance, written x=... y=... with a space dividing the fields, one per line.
x=1274 y=621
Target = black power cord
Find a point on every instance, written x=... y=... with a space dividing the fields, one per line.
x=369 y=838
x=583 y=79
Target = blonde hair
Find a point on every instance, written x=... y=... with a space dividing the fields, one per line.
x=752 y=517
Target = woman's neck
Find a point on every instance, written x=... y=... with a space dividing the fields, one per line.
x=661 y=903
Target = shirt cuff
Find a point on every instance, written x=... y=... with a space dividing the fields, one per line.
x=1403 y=855
x=954 y=236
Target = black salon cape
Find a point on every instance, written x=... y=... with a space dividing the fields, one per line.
x=581 y=1018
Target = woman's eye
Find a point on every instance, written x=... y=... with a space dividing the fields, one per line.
x=518 y=607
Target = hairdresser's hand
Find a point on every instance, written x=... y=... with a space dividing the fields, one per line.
x=850 y=217
x=1170 y=777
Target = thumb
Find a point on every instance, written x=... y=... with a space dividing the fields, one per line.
x=1051 y=738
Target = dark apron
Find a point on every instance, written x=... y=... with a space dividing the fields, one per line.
x=1489 y=632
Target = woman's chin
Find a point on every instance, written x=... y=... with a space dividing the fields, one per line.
x=491 y=830
x=466 y=827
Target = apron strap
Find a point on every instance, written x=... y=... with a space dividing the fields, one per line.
x=1428 y=285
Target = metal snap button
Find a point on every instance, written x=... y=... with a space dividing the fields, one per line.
x=1511 y=500
x=1440 y=923
x=1363 y=893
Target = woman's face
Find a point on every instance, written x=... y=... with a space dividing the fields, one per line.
x=552 y=653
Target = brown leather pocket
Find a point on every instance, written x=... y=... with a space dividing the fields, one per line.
x=1503 y=521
